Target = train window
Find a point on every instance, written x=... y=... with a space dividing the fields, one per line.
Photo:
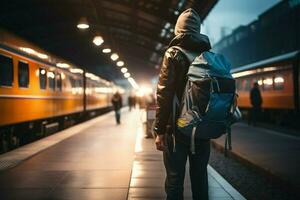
x=79 y=83
x=51 y=80
x=43 y=78
x=278 y=83
x=23 y=74
x=6 y=71
x=267 y=83
x=247 y=85
x=260 y=82
x=73 y=82
x=58 y=82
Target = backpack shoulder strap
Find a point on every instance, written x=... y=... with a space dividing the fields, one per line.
x=191 y=56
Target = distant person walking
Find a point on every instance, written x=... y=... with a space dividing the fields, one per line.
x=117 y=104
x=172 y=80
x=130 y=102
x=256 y=102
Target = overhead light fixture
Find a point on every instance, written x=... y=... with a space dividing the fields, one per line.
x=76 y=70
x=83 y=23
x=124 y=70
x=106 y=50
x=167 y=25
x=42 y=56
x=133 y=83
x=33 y=52
x=163 y=33
x=127 y=75
x=114 y=56
x=28 y=50
x=98 y=40
x=89 y=75
x=63 y=65
x=92 y=76
x=120 y=63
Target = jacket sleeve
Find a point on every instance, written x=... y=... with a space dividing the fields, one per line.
x=165 y=92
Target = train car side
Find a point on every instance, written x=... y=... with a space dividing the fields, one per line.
x=276 y=88
x=37 y=91
x=40 y=93
x=278 y=80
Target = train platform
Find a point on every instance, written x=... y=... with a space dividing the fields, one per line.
x=95 y=160
x=270 y=151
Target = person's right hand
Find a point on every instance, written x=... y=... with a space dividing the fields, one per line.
x=159 y=142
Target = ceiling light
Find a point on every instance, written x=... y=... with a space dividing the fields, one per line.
x=28 y=50
x=89 y=75
x=114 y=56
x=163 y=33
x=124 y=70
x=98 y=40
x=42 y=56
x=63 y=65
x=120 y=63
x=76 y=70
x=127 y=75
x=133 y=83
x=167 y=25
x=106 y=50
x=83 y=23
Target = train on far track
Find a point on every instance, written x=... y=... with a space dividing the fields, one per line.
x=279 y=82
x=40 y=93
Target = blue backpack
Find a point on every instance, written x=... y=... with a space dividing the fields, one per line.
x=209 y=100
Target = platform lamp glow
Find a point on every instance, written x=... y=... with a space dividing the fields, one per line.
x=114 y=56
x=133 y=83
x=106 y=50
x=98 y=40
x=127 y=75
x=83 y=23
x=124 y=70
x=120 y=63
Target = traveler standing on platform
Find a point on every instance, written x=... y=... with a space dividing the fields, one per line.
x=172 y=80
x=256 y=102
x=117 y=104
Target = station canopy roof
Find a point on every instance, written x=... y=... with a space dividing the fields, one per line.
x=137 y=30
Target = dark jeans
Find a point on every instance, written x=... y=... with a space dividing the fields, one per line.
x=118 y=116
x=175 y=163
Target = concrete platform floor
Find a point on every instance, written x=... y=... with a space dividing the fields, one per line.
x=101 y=160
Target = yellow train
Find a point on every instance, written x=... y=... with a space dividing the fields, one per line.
x=40 y=93
x=279 y=82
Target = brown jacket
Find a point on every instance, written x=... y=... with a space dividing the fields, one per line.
x=172 y=77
